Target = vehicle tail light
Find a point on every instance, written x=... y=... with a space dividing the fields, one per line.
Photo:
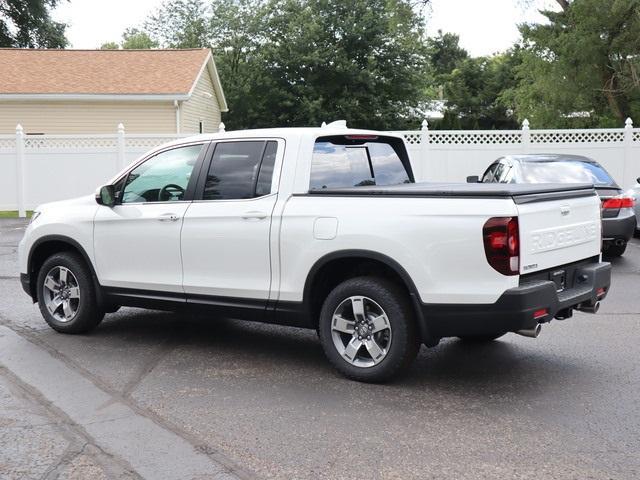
x=361 y=137
x=502 y=244
x=541 y=313
x=618 y=202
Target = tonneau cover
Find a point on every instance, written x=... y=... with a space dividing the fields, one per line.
x=540 y=191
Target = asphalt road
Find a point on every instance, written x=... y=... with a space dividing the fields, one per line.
x=260 y=401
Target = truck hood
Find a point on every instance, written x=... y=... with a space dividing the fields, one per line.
x=84 y=201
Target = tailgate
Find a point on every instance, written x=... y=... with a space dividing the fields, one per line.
x=555 y=230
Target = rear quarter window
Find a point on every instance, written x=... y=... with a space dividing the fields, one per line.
x=345 y=161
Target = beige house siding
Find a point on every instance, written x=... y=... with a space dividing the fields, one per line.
x=202 y=106
x=73 y=117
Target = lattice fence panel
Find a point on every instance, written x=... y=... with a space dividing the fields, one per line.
x=475 y=138
x=577 y=137
x=413 y=138
x=7 y=143
x=636 y=136
x=41 y=143
x=148 y=142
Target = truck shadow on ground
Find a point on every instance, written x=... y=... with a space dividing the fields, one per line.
x=501 y=365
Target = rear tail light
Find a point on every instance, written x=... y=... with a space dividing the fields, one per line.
x=541 y=313
x=618 y=202
x=502 y=244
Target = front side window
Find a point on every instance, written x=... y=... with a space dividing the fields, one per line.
x=162 y=178
x=345 y=162
x=240 y=170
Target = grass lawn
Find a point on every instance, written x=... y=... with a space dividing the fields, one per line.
x=13 y=214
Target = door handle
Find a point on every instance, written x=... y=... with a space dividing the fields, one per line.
x=254 y=215
x=168 y=217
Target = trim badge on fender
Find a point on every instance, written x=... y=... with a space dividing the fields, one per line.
x=565 y=210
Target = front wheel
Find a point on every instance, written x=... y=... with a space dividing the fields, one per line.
x=367 y=329
x=66 y=294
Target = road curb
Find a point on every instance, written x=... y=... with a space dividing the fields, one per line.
x=151 y=450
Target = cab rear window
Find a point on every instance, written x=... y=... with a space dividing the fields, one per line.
x=355 y=161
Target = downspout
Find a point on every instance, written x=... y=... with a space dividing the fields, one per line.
x=177 y=105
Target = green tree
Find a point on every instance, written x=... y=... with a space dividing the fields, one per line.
x=585 y=59
x=445 y=52
x=134 y=39
x=473 y=92
x=181 y=24
x=301 y=62
x=28 y=24
x=110 y=46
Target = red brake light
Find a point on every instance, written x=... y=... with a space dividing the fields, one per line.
x=541 y=313
x=618 y=202
x=502 y=244
x=361 y=137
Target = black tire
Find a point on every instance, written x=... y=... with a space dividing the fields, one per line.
x=87 y=315
x=613 y=251
x=477 y=339
x=403 y=345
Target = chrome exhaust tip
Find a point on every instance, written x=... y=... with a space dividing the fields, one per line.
x=530 y=332
x=588 y=308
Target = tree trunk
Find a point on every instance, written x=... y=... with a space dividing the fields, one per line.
x=609 y=93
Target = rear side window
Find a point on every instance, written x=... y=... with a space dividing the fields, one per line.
x=240 y=170
x=565 y=171
x=356 y=161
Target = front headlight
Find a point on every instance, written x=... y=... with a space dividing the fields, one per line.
x=35 y=215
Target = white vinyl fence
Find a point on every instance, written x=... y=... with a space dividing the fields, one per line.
x=44 y=168
x=452 y=155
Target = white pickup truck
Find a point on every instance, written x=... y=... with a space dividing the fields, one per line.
x=322 y=228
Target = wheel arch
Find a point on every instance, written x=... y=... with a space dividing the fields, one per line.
x=49 y=245
x=338 y=266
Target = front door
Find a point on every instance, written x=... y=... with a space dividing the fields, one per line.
x=137 y=242
x=227 y=229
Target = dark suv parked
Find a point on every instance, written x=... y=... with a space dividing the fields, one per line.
x=618 y=217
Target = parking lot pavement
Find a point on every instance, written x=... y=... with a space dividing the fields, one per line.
x=261 y=401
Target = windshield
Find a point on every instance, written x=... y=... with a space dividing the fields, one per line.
x=566 y=171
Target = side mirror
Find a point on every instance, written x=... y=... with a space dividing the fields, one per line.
x=106 y=196
x=473 y=179
x=638 y=179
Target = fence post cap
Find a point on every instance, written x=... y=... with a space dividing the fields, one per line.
x=628 y=123
x=525 y=124
x=120 y=128
x=19 y=129
x=221 y=128
x=425 y=124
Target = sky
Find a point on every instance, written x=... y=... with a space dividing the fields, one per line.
x=484 y=26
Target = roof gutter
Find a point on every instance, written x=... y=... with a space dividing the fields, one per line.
x=94 y=97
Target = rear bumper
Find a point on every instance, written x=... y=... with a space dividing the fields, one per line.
x=515 y=309
x=621 y=227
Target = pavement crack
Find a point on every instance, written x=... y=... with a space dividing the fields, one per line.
x=164 y=349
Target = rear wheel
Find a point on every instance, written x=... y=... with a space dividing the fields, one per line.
x=66 y=294
x=367 y=329
x=613 y=251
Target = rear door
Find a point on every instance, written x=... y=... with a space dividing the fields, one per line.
x=556 y=231
x=226 y=231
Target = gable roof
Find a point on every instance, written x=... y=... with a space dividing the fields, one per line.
x=132 y=74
